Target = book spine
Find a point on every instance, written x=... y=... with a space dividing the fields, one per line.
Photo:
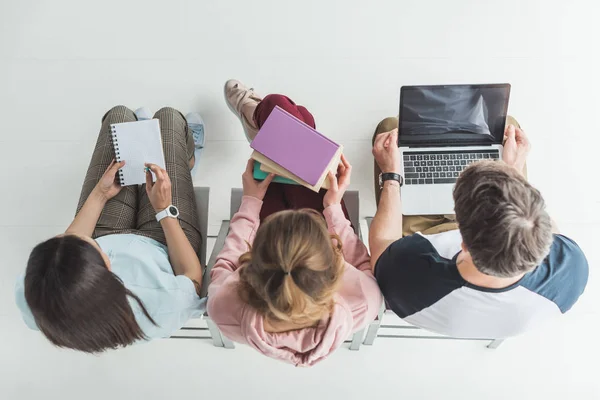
x=115 y=142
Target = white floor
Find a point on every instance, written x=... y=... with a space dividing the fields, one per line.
x=63 y=63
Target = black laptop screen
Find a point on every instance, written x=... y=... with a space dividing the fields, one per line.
x=453 y=114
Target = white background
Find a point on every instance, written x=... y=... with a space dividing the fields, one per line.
x=64 y=63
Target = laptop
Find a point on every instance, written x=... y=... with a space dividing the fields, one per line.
x=441 y=130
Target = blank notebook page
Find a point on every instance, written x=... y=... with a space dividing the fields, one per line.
x=137 y=143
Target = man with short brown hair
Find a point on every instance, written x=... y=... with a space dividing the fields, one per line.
x=501 y=272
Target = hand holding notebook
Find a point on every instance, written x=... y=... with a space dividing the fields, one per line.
x=137 y=143
x=107 y=186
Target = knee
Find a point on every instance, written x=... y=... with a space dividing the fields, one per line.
x=269 y=102
x=119 y=114
x=166 y=111
x=386 y=125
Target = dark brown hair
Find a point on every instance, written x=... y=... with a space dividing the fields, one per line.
x=502 y=219
x=294 y=268
x=76 y=301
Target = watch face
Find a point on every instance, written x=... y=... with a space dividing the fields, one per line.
x=173 y=210
x=380 y=180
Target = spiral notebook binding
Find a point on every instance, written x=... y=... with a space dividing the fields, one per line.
x=115 y=141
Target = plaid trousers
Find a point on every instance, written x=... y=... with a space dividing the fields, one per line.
x=130 y=211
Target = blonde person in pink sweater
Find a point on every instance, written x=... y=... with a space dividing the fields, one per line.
x=297 y=285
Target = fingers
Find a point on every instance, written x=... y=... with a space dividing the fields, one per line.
x=385 y=141
x=394 y=138
x=149 y=182
x=114 y=167
x=347 y=171
x=250 y=166
x=333 y=184
x=380 y=140
x=344 y=179
x=510 y=132
x=341 y=169
x=267 y=181
x=520 y=136
x=345 y=162
x=158 y=171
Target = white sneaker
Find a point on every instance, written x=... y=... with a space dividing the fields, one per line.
x=236 y=96
x=143 y=113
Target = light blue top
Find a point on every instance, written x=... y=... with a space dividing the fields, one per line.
x=143 y=266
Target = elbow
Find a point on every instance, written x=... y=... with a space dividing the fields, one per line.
x=196 y=277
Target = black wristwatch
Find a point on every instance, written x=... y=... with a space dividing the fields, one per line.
x=390 y=176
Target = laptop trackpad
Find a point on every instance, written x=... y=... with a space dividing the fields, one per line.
x=427 y=199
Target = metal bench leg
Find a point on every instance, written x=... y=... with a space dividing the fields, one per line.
x=357 y=339
x=228 y=344
x=374 y=327
x=494 y=344
x=371 y=333
x=214 y=333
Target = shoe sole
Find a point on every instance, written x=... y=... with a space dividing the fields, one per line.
x=234 y=111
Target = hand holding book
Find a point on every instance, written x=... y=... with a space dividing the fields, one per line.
x=252 y=187
x=338 y=185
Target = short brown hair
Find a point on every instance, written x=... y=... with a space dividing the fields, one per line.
x=502 y=219
x=293 y=269
x=76 y=301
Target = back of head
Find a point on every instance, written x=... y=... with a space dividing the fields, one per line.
x=293 y=269
x=502 y=219
x=76 y=301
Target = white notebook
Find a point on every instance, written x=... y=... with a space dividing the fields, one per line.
x=137 y=143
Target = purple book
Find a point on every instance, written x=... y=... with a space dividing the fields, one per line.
x=295 y=146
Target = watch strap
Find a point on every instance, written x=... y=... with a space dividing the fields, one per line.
x=391 y=176
x=166 y=213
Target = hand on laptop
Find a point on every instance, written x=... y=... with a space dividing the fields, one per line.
x=385 y=151
x=516 y=147
x=339 y=184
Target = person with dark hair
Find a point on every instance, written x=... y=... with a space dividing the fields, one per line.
x=496 y=269
x=124 y=270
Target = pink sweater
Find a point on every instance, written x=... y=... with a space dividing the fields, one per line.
x=356 y=303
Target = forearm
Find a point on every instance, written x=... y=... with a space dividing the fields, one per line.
x=242 y=230
x=354 y=250
x=87 y=218
x=182 y=256
x=386 y=227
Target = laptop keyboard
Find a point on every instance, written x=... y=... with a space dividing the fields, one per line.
x=438 y=167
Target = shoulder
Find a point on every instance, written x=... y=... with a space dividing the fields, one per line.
x=562 y=276
x=409 y=254
x=225 y=305
x=417 y=271
x=170 y=308
x=172 y=294
x=359 y=290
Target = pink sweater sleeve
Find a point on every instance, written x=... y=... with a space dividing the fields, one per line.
x=241 y=233
x=363 y=295
x=224 y=306
x=353 y=248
